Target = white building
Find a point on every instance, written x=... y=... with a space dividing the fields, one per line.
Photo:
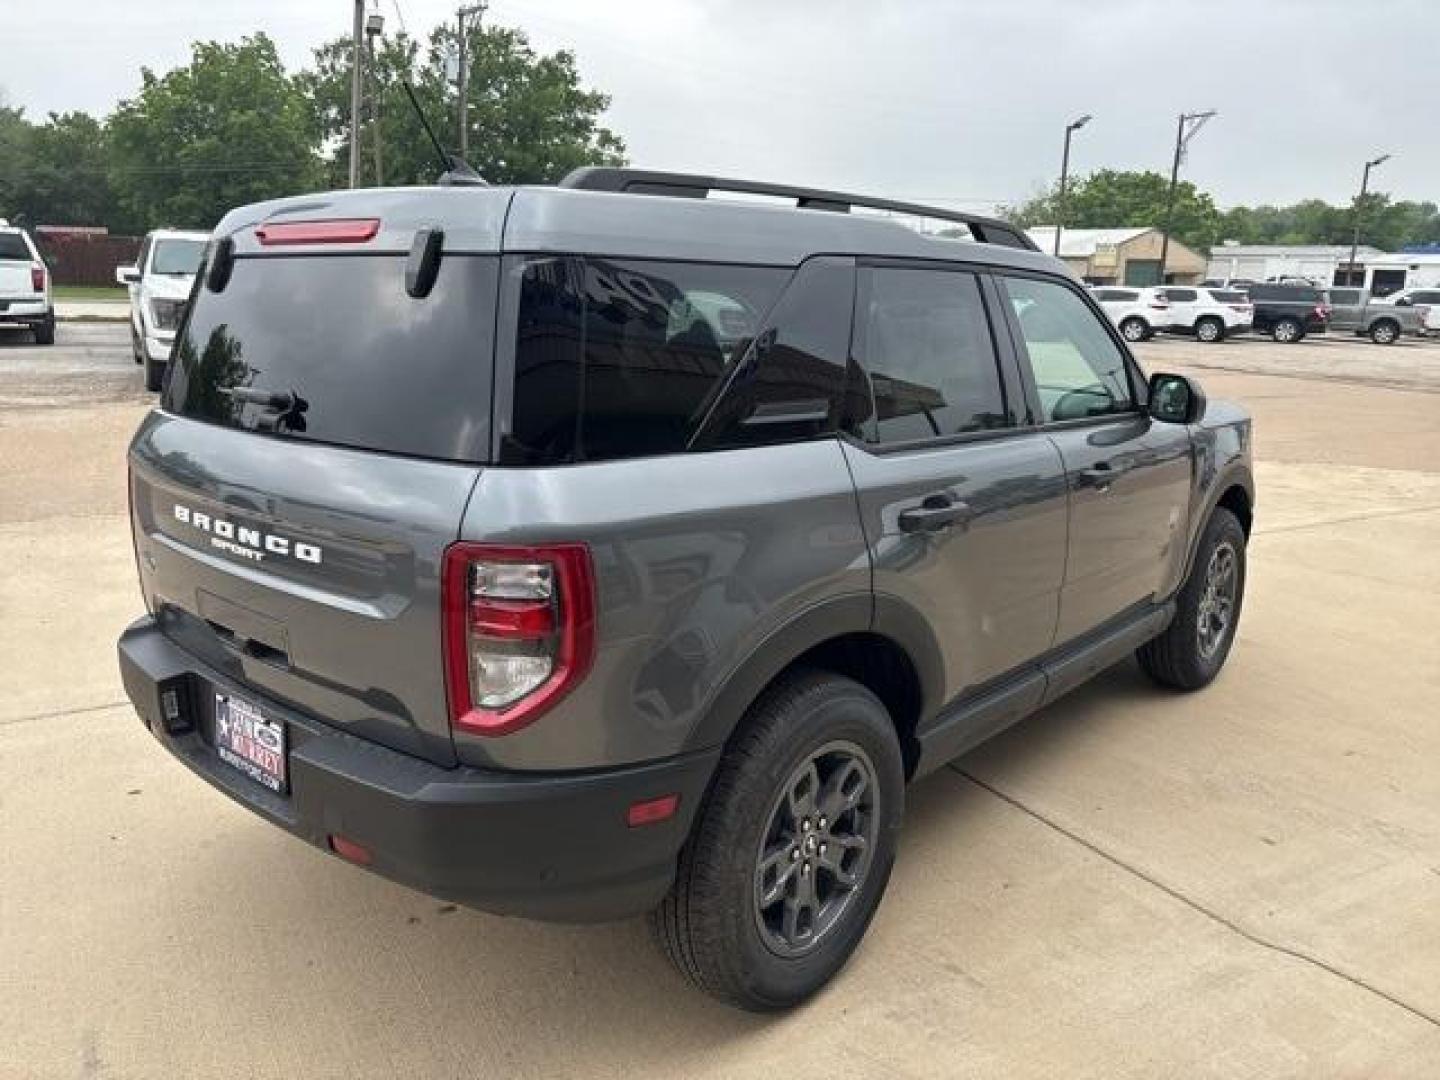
x=1326 y=264
x=1263 y=262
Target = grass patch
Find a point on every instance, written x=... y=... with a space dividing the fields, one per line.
x=90 y=292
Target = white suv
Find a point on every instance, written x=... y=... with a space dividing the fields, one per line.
x=1209 y=315
x=159 y=285
x=25 y=285
x=1136 y=312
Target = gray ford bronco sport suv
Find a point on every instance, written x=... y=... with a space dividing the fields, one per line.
x=582 y=551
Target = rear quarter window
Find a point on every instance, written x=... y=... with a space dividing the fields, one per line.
x=618 y=358
x=332 y=349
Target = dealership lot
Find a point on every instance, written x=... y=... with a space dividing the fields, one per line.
x=1241 y=882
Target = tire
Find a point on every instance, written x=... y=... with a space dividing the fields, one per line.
x=1185 y=657
x=136 y=349
x=1287 y=331
x=713 y=925
x=154 y=374
x=1135 y=329
x=45 y=332
x=1385 y=332
x=1210 y=330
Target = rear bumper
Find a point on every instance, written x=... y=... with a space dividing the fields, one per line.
x=158 y=348
x=25 y=311
x=547 y=846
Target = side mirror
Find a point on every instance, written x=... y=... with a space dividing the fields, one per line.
x=1404 y=301
x=127 y=275
x=1176 y=399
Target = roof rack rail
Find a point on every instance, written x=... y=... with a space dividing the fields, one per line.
x=987 y=230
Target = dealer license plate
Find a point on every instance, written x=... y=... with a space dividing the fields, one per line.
x=247 y=741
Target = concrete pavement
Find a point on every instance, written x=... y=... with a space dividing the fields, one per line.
x=1243 y=882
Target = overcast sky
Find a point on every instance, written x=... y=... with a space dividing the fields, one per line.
x=962 y=101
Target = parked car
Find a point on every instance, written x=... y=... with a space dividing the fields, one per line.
x=25 y=285
x=1288 y=312
x=1136 y=312
x=567 y=553
x=1429 y=299
x=1357 y=311
x=159 y=285
x=1208 y=315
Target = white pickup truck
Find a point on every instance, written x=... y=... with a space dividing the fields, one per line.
x=25 y=285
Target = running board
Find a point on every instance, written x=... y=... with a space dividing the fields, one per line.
x=982 y=714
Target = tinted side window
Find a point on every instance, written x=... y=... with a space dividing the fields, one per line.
x=1181 y=296
x=925 y=341
x=1227 y=296
x=1425 y=297
x=1079 y=370
x=1344 y=296
x=618 y=359
x=791 y=383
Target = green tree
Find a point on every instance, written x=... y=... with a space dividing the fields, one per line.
x=230 y=127
x=1114 y=199
x=66 y=172
x=529 y=118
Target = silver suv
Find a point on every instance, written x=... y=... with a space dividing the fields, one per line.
x=583 y=551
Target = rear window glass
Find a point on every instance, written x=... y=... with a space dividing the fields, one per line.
x=332 y=349
x=626 y=358
x=13 y=246
x=1293 y=293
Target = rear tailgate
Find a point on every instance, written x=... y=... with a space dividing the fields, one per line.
x=15 y=263
x=320 y=435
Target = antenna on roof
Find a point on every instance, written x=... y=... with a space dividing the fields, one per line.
x=457 y=171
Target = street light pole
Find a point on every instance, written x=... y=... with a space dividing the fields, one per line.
x=1359 y=210
x=464 y=73
x=1189 y=125
x=1070 y=129
x=355 y=66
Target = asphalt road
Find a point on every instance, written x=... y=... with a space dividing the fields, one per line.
x=1243 y=882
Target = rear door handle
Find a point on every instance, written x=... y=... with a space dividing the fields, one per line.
x=1104 y=473
x=935 y=513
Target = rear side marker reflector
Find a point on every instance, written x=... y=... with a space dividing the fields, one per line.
x=350 y=850
x=334 y=231
x=652 y=811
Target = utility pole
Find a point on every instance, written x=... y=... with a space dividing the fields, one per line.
x=1190 y=124
x=374 y=27
x=461 y=15
x=356 y=63
x=1070 y=129
x=1360 y=210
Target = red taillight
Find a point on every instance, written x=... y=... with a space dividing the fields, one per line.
x=334 y=231
x=1322 y=312
x=519 y=631
x=37 y=277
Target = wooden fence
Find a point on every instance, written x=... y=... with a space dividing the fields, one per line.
x=86 y=259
